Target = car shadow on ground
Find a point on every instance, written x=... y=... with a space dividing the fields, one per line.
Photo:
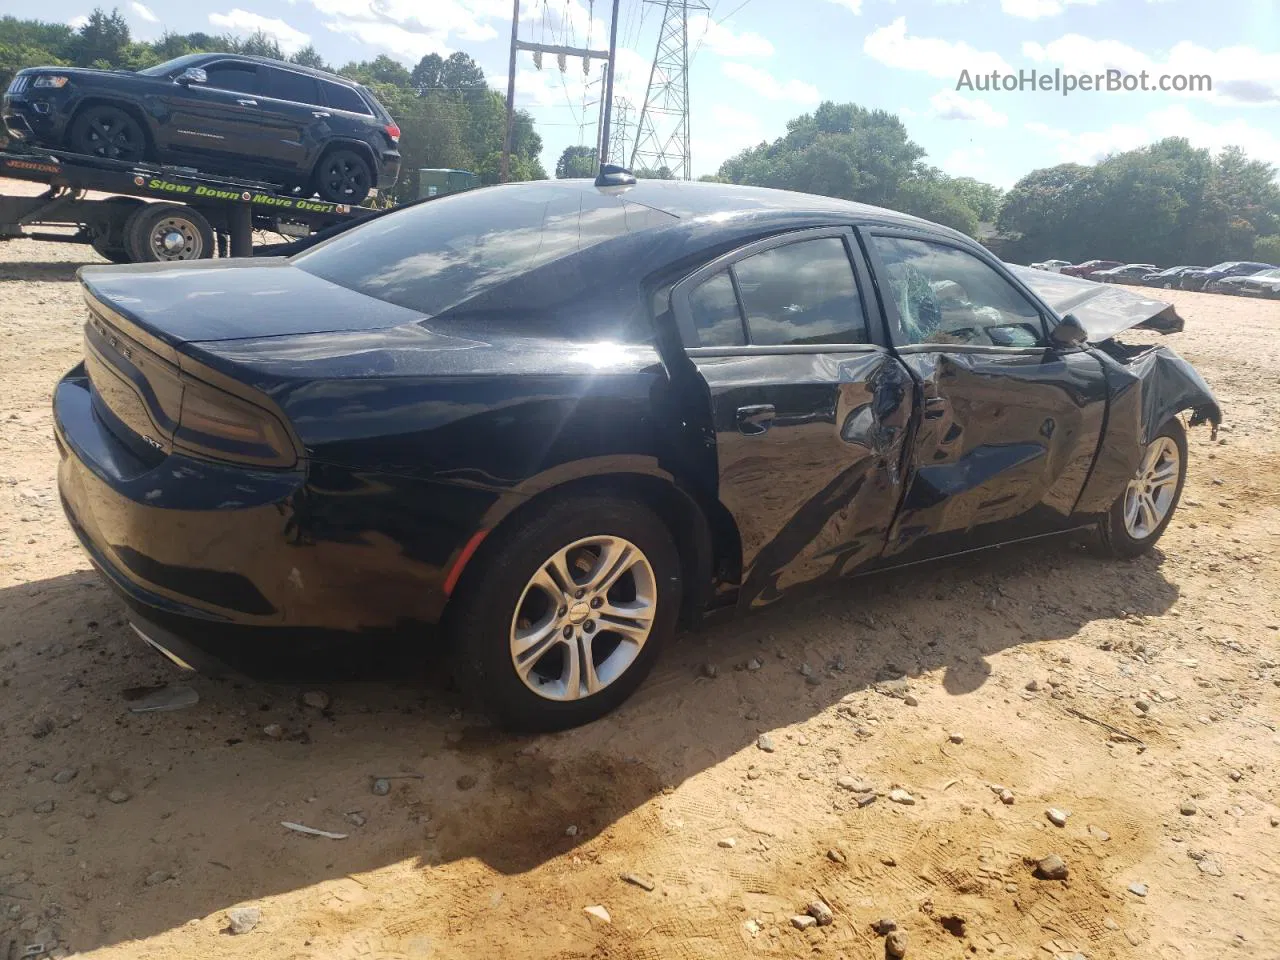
x=208 y=786
x=44 y=271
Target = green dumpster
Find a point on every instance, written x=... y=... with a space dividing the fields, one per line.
x=436 y=181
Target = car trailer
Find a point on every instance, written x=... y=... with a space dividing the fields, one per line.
x=192 y=214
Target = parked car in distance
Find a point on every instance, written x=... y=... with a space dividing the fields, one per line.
x=1090 y=267
x=1129 y=273
x=226 y=114
x=557 y=420
x=1053 y=266
x=1167 y=278
x=1200 y=279
x=1265 y=283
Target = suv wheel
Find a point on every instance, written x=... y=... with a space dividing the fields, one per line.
x=107 y=131
x=1142 y=512
x=343 y=176
x=564 y=615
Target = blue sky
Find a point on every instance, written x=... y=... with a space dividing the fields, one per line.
x=759 y=63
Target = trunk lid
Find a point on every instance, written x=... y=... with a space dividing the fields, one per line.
x=213 y=301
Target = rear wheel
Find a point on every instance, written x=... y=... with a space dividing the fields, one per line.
x=1142 y=512
x=343 y=176
x=109 y=132
x=160 y=232
x=563 y=616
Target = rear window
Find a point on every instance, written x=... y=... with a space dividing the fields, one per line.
x=343 y=98
x=436 y=255
x=287 y=85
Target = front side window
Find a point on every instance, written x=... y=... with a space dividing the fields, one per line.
x=294 y=87
x=237 y=77
x=946 y=295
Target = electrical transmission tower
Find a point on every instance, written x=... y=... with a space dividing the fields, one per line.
x=667 y=97
x=618 y=135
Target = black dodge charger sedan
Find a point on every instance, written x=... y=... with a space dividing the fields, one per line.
x=562 y=419
x=223 y=113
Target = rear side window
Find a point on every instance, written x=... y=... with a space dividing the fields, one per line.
x=237 y=77
x=295 y=87
x=343 y=98
x=714 y=306
x=434 y=256
x=801 y=293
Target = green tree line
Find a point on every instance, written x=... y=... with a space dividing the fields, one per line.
x=1167 y=203
x=447 y=113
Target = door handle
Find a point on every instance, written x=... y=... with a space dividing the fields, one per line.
x=755 y=419
x=319 y=113
x=247 y=103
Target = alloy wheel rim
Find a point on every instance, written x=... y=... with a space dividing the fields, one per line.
x=176 y=239
x=112 y=139
x=583 y=618
x=345 y=178
x=1149 y=497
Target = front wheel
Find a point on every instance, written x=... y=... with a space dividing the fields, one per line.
x=562 y=616
x=108 y=132
x=1142 y=512
x=343 y=176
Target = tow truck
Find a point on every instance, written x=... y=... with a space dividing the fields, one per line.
x=153 y=213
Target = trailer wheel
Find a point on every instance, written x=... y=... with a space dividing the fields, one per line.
x=160 y=232
x=109 y=229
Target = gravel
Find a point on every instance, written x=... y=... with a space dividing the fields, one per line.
x=1052 y=867
x=243 y=919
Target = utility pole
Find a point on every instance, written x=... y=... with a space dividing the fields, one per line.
x=668 y=96
x=559 y=51
x=608 y=86
x=505 y=173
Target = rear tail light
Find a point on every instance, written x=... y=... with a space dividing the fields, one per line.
x=213 y=423
x=393 y=132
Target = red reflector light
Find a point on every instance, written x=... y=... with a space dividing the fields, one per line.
x=393 y=132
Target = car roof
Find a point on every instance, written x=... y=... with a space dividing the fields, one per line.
x=295 y=67
x=697 y=200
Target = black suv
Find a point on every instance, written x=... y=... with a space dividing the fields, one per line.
x=225 y=114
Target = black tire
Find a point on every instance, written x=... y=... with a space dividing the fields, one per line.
x=109 y=228
x=145 y=244
x=482 y=615
x=343 y=176
x=1116 y=538
x=110 y=132
x=109 y=251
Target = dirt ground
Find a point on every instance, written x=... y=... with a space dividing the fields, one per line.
x=1020 y=667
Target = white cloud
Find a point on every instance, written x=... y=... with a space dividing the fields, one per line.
x=75 y=23
x=290 y=39
x=142 y=10
x=721 y=39
x=939 y=58
x=949 y=105
x=1176 y=121
x=768 y=86
x=1035 y=9
x=411 y=29
x=724 y=132
x=853 y=6
x=1240 y=74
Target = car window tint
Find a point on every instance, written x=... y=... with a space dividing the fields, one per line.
x=947 y=295
x=715 y=311
x=239 y=77
x=803 y=292
x=434 y=256
x=287 y=85
x=343 y=98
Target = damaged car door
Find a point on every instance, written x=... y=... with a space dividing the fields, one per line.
x=1008 y=424
x=808 y=407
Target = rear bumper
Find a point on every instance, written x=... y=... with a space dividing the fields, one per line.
x=388 y=170
x=241 y=565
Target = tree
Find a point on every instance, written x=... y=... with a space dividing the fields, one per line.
x=258 y=44
x=103 y=41
x=1267 y=249
x=661 y=173
x=457 y=73
x=576 y=162
x=308 y=56
x=935 y=199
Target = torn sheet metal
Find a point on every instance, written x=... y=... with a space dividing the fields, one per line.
x=1103 y=309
